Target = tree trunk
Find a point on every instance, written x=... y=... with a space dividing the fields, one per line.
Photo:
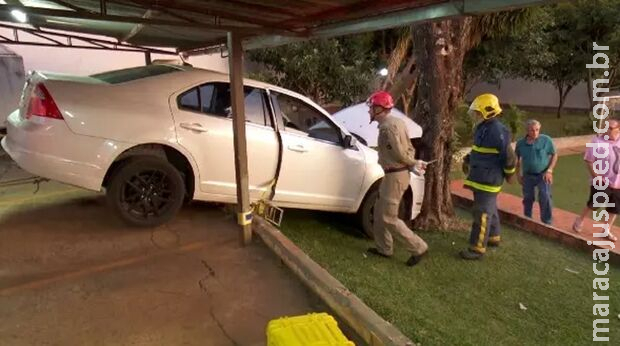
x=563 y=91
x=561 y=104
x=589 y=89
x=439 y=49
x=407 y=99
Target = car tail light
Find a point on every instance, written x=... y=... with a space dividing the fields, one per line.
x=42 y=104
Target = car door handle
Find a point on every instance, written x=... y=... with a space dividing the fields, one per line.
x=298 y=148
x=194 y=127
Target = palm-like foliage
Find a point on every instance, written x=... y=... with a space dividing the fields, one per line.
x=401 y=62
x=496 y=25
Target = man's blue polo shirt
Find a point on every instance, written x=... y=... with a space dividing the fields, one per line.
x=535 y=156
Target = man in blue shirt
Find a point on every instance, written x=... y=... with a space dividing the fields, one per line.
x=536 y=158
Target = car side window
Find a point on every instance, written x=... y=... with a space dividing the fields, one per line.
x=299 y=117
x=214 y=99
x=255 y=106
x=206 y=97
x=190 y=100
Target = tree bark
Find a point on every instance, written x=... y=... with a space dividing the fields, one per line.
x=439 y=50
x=561 y=104
x=563 y=91
x=589 y=89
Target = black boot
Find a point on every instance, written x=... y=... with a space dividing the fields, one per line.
x=470 y=255
x=415 y=259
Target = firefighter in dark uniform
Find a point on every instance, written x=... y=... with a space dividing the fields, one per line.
x=490 y=161
x=396 y=157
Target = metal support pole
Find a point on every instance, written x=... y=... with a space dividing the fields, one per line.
x=147 y=58
x=235 y=60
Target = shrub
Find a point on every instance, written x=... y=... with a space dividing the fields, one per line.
x=464 y=126
x=514 y=118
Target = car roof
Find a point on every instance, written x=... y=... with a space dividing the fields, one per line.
x=189 y=77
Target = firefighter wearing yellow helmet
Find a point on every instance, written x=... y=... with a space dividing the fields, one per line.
x=490 y=161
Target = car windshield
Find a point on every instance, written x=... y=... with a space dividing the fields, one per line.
x=129 y=74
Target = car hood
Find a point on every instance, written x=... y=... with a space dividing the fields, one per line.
x=356 y=120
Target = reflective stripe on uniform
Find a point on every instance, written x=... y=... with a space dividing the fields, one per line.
x=478 y=249
x=485 y=150
x=483 y=231
x=510 y=170
x=494 y=238
x=482 y=187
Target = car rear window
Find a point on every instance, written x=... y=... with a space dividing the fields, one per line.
x=129 y=74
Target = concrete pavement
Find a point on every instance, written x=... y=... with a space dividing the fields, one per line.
x=72 y=274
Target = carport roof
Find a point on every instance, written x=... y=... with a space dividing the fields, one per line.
x=192 y=24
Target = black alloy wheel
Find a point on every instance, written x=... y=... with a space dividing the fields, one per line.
x=146 y=191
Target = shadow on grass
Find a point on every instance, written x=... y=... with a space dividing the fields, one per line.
x=347 y=224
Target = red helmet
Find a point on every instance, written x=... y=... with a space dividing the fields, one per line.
x=381 y=98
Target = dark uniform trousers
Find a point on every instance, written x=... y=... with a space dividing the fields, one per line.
x=486 y=221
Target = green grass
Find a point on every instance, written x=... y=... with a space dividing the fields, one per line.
x=570 y=187
x=447 y=301
x=570 y=183
x=571 y=124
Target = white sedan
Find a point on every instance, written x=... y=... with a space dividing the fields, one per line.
x=155 y=136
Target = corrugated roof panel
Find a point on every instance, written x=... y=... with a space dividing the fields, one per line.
x=196 y=23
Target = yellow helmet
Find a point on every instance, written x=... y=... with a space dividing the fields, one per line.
x=487 y=105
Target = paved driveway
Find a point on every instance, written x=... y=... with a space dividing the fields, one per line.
x=72 y=274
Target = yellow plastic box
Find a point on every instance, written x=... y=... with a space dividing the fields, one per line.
x=317 y=329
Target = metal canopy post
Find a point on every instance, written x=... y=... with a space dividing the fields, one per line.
x=235 y=61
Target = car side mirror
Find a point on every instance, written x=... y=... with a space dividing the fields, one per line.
x=349 y=141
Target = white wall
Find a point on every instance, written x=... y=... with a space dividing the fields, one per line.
x=525 y=93
x=89 y=61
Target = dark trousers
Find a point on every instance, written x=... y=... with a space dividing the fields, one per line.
x=530 y=183
x=486 y=221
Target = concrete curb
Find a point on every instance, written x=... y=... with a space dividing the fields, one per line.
x=535 y=227
x=373 y=329
x=571 y=142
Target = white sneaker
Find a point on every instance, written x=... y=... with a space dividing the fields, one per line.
x=577 y=225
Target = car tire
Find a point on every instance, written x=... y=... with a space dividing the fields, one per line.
x=365 y=213
x=146 y=191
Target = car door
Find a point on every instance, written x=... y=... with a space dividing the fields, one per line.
x=317 y=171
x=203 y=121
